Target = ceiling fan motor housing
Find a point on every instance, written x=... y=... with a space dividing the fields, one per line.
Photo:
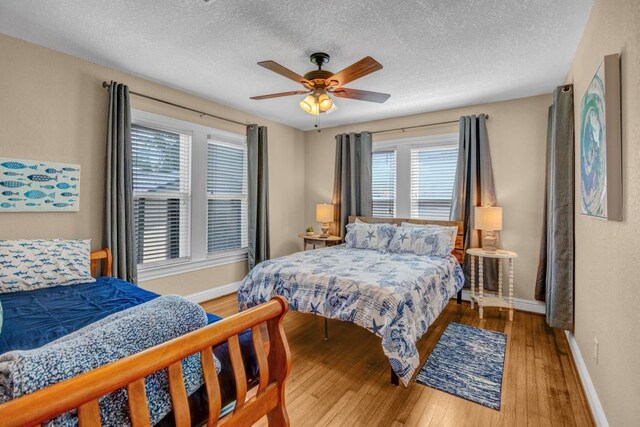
x=319 y=76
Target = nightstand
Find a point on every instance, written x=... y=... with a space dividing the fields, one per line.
x=491 y=301
x=319 y=242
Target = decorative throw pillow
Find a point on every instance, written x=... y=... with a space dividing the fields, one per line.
x=369 y=236
x=453 y=230
x=421 y=241
x=33 y=264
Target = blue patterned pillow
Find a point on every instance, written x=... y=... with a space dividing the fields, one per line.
x=369 y=236
x=421 y=241
x=33 y=264
x=1 y=317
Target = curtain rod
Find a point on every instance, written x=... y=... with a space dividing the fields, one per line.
x=202 y=113
x=421 y=126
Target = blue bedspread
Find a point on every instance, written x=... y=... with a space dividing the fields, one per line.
x=35 y=318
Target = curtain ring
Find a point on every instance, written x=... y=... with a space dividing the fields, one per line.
x=567 y=88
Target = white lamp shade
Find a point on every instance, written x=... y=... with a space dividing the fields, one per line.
x=324 y=212
x=488 y=218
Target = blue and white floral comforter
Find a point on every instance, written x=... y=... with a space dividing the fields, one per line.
x=395 y=296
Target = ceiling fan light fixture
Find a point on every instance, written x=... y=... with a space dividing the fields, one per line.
x=325 y=102
x=310 y=105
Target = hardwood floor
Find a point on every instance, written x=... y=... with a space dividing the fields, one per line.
x=345 y=381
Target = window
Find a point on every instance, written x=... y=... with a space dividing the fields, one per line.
x=190 y=195
x=227 y=207
x=383 y=172
x=161 y=191
x=414 y=178
x=433 y=172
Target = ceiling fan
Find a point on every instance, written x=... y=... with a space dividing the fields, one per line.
x=320 y=83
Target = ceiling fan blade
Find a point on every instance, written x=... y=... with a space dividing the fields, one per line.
x=355 y=71
x=361 y=95
x=283 y=71
x=278 y=95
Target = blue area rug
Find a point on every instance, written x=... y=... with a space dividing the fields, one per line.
x=467 y=362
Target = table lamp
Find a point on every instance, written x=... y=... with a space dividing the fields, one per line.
x=489 y=220
x=324 y=214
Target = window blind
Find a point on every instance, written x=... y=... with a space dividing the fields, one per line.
x=161 y=162
x=433 y=171
x=227 y=200
x=383 y=182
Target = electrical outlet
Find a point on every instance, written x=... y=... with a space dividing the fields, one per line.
x=596 y=344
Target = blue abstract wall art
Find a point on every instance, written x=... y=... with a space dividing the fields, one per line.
x=600 y=144
x=593 y=150
x=37 y=186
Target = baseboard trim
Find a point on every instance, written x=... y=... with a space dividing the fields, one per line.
x=217 y=292
x=594 y=402
x=518 y=303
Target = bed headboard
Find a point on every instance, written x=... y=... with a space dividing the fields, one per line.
x=458 y=250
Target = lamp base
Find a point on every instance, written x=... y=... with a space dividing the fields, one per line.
x=325 y=230
x=490 y=241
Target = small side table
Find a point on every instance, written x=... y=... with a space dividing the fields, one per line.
x=319 y=242
x=491 y=301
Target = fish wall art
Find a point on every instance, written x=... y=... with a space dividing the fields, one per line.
x=37 y=186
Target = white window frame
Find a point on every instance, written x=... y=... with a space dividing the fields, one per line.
x=200 y=135
x=403 y=147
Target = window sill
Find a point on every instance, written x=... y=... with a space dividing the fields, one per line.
x=230 y=257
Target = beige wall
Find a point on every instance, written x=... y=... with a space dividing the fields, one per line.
x=517 y=137
x=607 y=289
x=52 y=107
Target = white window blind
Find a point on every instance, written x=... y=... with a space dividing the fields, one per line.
x=383 y=181
x=227 y=200
x=161 y=191
x=433 y=171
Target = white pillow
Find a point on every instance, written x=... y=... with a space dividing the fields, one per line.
x=421 y=241
x=26 y=265
x=452 y=230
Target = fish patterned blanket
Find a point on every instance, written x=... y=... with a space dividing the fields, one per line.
x=114 y=337
x=395 y=296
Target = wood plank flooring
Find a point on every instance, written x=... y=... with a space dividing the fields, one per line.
x=345 y=381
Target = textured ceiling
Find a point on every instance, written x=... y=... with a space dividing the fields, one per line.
x=436 y=53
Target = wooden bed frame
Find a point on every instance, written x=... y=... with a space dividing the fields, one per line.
x=82 y=392
x=458 y=250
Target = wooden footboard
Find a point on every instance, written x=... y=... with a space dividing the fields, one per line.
x=82 y=392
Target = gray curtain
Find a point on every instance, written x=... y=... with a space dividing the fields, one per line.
x=554 y=283
x=474 y=187
x=118 y=216
x=352 y=179
x=258 y=165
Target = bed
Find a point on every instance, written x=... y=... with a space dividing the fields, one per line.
x=248 y=365
x=394 y=295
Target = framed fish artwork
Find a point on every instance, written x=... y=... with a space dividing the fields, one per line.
x=37 y=186
x=601 y=144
